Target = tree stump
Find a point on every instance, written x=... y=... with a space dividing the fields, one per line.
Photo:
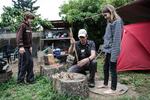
x=6 y=75
x=49 y=70
x=71 y=83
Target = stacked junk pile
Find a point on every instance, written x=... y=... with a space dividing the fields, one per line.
x=5 y=71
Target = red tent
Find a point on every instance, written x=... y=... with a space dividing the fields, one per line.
x=135 y=47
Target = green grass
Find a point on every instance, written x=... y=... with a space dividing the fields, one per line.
x=41 y=90
x=138 y=81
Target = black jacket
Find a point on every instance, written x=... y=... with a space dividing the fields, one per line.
x=24 y=35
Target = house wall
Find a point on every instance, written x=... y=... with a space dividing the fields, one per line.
x=10 y=38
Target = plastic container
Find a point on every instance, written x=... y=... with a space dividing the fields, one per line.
x=57 y=52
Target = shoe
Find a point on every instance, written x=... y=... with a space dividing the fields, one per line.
x=110 y=91
x=102 y=86
x=30 y=82
x=91 y=84
x=20 y=82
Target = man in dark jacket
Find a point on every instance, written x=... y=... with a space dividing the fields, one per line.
x=86 y=54
x=24 y=42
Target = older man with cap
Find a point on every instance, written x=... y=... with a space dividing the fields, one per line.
x=86 y=53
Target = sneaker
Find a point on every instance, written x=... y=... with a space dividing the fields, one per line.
x=102 y=86
x=91 y=84
x=110 y=91
x=30 y=82
x=20 y=82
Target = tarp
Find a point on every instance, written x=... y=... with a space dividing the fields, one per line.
x=135 y=11
x=135 y=47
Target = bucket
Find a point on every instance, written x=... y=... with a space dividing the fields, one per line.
x=57 y=52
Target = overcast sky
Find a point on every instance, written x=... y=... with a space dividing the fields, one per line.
x=48 y=8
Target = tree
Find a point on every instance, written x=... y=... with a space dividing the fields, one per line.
x=25 y=5
x=77 y=10
x=87 y=14
x=13 y=16
x=41 y=22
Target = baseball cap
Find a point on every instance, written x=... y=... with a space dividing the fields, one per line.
x=82 y=32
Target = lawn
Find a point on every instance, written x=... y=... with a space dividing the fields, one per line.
x=41 y=90
x=138 y=81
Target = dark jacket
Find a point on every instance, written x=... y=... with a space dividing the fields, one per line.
x=24 y=35
x=84 y=51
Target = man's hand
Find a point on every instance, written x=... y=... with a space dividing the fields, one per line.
x=21 y=50
x=31 y=50
x=83 y=62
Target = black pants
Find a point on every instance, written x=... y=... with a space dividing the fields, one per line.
x=92 y=66
x=108 y=65
x=25 y=67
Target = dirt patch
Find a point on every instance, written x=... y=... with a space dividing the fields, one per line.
x=36 y=67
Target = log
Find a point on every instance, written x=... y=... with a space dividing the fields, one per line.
x=49 y=70
x=71 y=83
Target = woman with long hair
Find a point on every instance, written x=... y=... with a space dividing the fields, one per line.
x=111 y=46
